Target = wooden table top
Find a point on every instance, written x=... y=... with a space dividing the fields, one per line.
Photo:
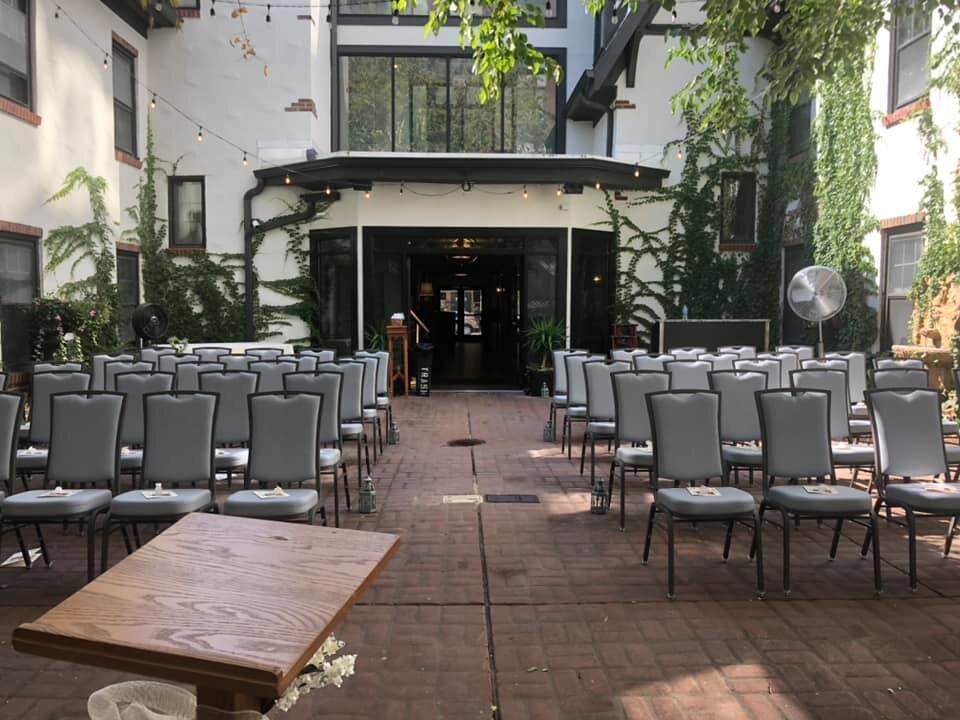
x=215 y=601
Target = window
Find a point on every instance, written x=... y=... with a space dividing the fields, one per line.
x=124 y=101
x=384 y=8
x=335 y=271
x=901 y=253
x=430 y=104
x=15 y=71
x=128 y=289
x=800 y=117
x=187 y=212
x=738 y=208
x=18 y=288
x=909 y=54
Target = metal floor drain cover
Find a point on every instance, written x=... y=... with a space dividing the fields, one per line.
x=465 y=442
x=511 y=499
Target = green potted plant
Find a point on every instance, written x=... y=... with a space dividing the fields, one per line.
x=543 y=337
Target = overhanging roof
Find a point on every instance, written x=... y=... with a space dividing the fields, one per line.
x=144 y=16
x=361 y=169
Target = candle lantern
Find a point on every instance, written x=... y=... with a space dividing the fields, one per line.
x=368 y=496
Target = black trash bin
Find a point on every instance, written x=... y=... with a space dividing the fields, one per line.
x=424 y=365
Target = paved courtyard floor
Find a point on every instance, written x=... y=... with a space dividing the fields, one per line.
x=544 y=611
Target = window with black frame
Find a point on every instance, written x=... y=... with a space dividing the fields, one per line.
x=18 y=288
x=124 y=100
x=738 y=208
x=15 y=52
x=909 y=55
x=334 y=261
x=128 y=292
x=800 y=126
x=431 y=104
x=384 y=8
x=901 y=254
x=187 y=200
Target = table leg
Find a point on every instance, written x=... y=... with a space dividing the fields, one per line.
x=217 y=704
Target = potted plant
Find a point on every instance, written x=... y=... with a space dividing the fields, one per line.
x=543 y=337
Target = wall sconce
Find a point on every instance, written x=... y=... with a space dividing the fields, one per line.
x=426 y=289
x=597 y=279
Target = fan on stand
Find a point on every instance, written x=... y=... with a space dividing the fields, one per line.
x=817 y=293
x=149 y=322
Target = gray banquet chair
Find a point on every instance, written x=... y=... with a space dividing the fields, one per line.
x=576 y=397
x=284 y=432
x=686 y=450
x=789 y=362
x=153 y=354
x=264 y=353
x=744 y=352
x=689 y=374
x=236 y=362
x=856 y=372
x=3 y=385
x=686 y=353
x=232 y=424
x=887 y=363
x=795 y=426
x=626 y=354
x=42 y=387
x=653 y=363
x=42 y=367
x=558 y=401
x=600 y=408
x=271 y=374
x=322 y=355
x=188 y=374
x=803 y=352
x=134 y=386
x=383 y=385
x=11 y=409
x=351 y=408
x=99 y=379
x=84 y=450
x=115 y=367
x=168 y=363
x=739 y=423
x=720 y=361
x=370 y=415
x=210 y=353
x=306 y=363
x=889 y=378
x=769 y=367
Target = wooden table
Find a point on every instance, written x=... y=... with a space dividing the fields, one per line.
x=232 y=605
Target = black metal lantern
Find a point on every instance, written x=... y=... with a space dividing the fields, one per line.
x=598 y=498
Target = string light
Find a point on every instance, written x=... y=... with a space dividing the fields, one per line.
x=366 y=194
x=244 y=161
x=286 y=179
x=679 y=154
x=328 y=191
x=268 y=12
x=396 y=17
x=56 y=13
x=636 y=170
x=401 y=187
x=106 y=61
x=200 y=134
x=524 y=192
x=613 y=18
x=213 y=10
x=673 y=15
x=597 y=186
x=559 y=192
x=153 y=102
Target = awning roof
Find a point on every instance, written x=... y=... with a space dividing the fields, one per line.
x=362 y=169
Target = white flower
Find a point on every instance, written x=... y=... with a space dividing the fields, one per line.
x=69 y=337
x=329 y=672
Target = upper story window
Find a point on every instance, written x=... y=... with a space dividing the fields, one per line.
x=430 y=104
x=909 y=56
x=384 y=8
x=738 y=208
x=188 y=213
x=124 y=100
x=18 y=287
x=800 y=126
x=15 y=66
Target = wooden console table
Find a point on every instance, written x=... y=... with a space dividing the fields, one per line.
x=398 y=346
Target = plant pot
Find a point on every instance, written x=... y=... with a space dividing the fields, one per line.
x=536 y=377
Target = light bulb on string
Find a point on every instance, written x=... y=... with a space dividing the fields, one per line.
x=287 y=179
x=679 y=154
x=525 y=194
x=776 y=8
x=396 y=17
x=559 y=192
x=673 y=15
x=636 y=170
x=597 y=185
x=200 y=134
x=614 y=19
x=366 y=194
x=244 y=161
x=153 y=102
x=401 y=188
x=213 y=10
x=56 y=13
x=268 y=13
x=327 y=190
x=106 y=61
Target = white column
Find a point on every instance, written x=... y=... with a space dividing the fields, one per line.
x=568 y=280
x=360 y=343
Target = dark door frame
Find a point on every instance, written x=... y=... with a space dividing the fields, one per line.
x=885 y=234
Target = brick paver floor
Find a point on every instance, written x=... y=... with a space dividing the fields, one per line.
x=545 y=611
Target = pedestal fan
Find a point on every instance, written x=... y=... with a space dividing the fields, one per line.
x=817 y=293
x=149 y=322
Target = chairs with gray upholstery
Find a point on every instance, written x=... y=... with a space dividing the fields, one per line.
x=11 y=409
x=178 y=454
x=351 y=408
x=632 y=421
x=383 y=385
x=135 y=385
x=910 y=447
x=153 y=354
x=890 y=362
x=826 y=364
x=652 y=363
x=888 y=378
x=271 y=374
x=626 y=354
x=210 y=353
x=769 y=367
x=236 y=362
x=306 y=363
x=744 y=352
x=795 y=426
x=264 y=353
x=576 y=410
x=42 y=367
x=688 y=374
x=600 y=408
x=686 y=450
x=788 y=363
x=42 y=387
x=168 y=363
x=284 y=432
x=3 y=383
x=370 y=415
x=558 y=400
x=739 y=423
x=322 y=355
x=232 y=425
x=115 y=367
x=856 y=372
x=99 y=380
x=686 y=353
x=188 y=374
x=720 y=361
x=85 y=451
x=803 y=352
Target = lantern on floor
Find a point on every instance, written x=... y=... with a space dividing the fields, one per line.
x=393 y=434
x=544 y=391
x=598 y=498
x=549 y=432
x=368 y=496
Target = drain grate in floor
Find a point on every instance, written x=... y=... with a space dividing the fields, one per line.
x=511 y=498
x=465 y=442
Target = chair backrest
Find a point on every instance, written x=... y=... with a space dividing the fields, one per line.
x=630 y=390
x=576 y=382
x=688 y=374
x=98 y=362
x=369 y=380
x=209 y=353
x=886 y=378
x=886 y=363
x=42 y=367
x=651 y=363
x=44 y=385
x=738 y=405
x=233 y=412
x=686 y=434
x=264 y=353
x=835 y=383
x=178 y=432
x=153 y=354
x=907 y=432
x=134 y=385
x=770 y=368
x=720 y=361
x=803 y=352
x=168 y=363
x=236 y=362
x=795 y=433
x=560 y=369
x=3 y=381
x=788 y=363
x=320 y=354
x=283 y=437
x=826 y=364
x=287 y=358
x=351 y=392
x=11 y=408
x=600 y=388
x=115 y=367
x=383 y=368
x=329 y=384
x=686 y=353
x=626 y=354
x=188 y=374
x=85 y=438
x=306 y=363
x=744 y=352
x=271 y=374
x=856 y=372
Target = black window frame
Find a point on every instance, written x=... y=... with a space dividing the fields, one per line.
x=122 y=326
x=752 y=239
x=173 y=181
x=118 y=49
x=25 y=308
x=893 y=101
x=559 y=20
x=321 y=253
x=886 y=235
x=801 y=115
x=394 y=52
x=31 y=65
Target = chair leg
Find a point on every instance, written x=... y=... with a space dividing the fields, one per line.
x=758 y=545
x=671 y=560
x=649 y=536
x=366 y=451
x=43 y=546
x=346 y=484
x=105 y=544
x=593 y=460
x=360 y=460
x=726 y=541
x=758 y=534
x=91 y=544
x=869 y=534
x=563 y=434
x=836 y=539
x=583 y=450
x=336 y=497
x=136 y=536
x=912 y=540
x=126 y=539
x=786 y=552
x=948 y=541
x=623 y=497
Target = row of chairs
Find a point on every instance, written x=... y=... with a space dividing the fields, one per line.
x=289 y=437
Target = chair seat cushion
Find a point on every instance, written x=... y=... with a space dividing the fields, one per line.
x=730 y=501
x=131 y=459
x=859 y=410
x=246 y=503
x=743 y=455
x=852 y=455
x=794 y=498
x=351 y=430
x=560 y=401
x=383 y=401
x=31 y=504
x=953 y=452
x=230 y=458
x=369 y=413
x=636 y=457
x=602 y=428
x=34 y=459
x=950 y=427
x=577 y=411
x=860 y=427
x=329 y=458
x=914 y=495
x=134 y=504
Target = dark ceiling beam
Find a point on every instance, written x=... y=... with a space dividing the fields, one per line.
x=143 y=18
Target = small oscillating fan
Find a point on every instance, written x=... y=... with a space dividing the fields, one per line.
x=149 y=322
x=817 y=293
